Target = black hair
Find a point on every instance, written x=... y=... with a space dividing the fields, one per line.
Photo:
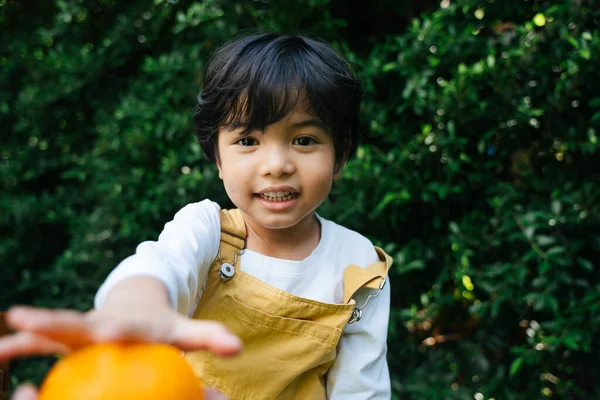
x=259 y=79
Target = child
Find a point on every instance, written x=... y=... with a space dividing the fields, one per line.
x=278 y=115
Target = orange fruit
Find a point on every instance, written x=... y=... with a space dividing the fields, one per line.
x=122 y=371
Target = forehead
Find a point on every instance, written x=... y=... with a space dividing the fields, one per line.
x=302 y=116
x=297 y=119
x=289 y=108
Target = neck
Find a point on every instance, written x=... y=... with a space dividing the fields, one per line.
x=294 y=243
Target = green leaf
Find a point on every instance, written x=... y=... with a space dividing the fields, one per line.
x=585 y=53
x=571 y=342
x=595 y=102
x=515 y=366
x=585 y=264
x=413 y=265
x=454 y=228
x=556 y=206
x=544 y=240
x=556 y=250
x=551 y=303
x=389 y=66
x=389 y=198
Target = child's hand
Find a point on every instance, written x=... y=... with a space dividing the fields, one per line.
x=28 y=392
x=136 y=310
x=25 y=392
x=45 y=331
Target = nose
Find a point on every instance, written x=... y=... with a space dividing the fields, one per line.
x=277 y=161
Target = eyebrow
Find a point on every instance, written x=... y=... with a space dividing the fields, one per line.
x=310 y=122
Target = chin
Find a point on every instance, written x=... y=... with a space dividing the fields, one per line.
x=274 y=220
x=278 y=221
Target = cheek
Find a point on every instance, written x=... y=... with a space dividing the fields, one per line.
x=231 y=186
x=320 y=177
x=235 y=177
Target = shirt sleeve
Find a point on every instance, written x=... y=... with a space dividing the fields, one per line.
x=180 y=258
x=361 y=371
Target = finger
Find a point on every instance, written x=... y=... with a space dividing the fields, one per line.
x=66 y=326
x=213 y=394
x=74 y=328
x=28 y=344
x=131 y=327
x=25 y=392
x=205 y=335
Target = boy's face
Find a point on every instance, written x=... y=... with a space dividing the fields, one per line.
x=279 y=177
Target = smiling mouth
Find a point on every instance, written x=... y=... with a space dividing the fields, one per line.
x=278 y=196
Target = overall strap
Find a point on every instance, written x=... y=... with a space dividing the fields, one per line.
x=371 y=277
x=233 y=228
x=232 y=243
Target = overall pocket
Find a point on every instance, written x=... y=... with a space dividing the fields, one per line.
x=279 y=353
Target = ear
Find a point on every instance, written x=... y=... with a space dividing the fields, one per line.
x=218 y=162
x=338 y=169
x=219 y=166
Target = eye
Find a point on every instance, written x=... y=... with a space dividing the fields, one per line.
x=246 y=141
x=304 y=141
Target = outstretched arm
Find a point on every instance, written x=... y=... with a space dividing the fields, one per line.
x=139 y=303
x=137 y=309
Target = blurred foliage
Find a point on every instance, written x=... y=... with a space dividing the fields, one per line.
x=478 y=174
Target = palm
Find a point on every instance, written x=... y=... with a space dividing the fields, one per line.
x=28 y=392
x=44 y=331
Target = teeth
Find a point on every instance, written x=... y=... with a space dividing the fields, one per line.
x=278 y=196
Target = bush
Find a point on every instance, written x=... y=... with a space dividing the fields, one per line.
x=484 y=120
x=478 y=174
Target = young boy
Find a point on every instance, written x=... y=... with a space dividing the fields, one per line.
x=278 y=115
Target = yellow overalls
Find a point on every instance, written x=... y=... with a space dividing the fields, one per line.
x=289 y=342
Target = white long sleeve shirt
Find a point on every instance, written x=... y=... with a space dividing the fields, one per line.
x=188 y=245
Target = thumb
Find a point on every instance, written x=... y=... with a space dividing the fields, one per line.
x=213 y=394
x=25 y=392
x=189 y=334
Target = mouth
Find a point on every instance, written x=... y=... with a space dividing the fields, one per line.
x=279 y=196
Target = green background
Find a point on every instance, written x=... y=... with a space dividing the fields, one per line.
x=480 y=173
